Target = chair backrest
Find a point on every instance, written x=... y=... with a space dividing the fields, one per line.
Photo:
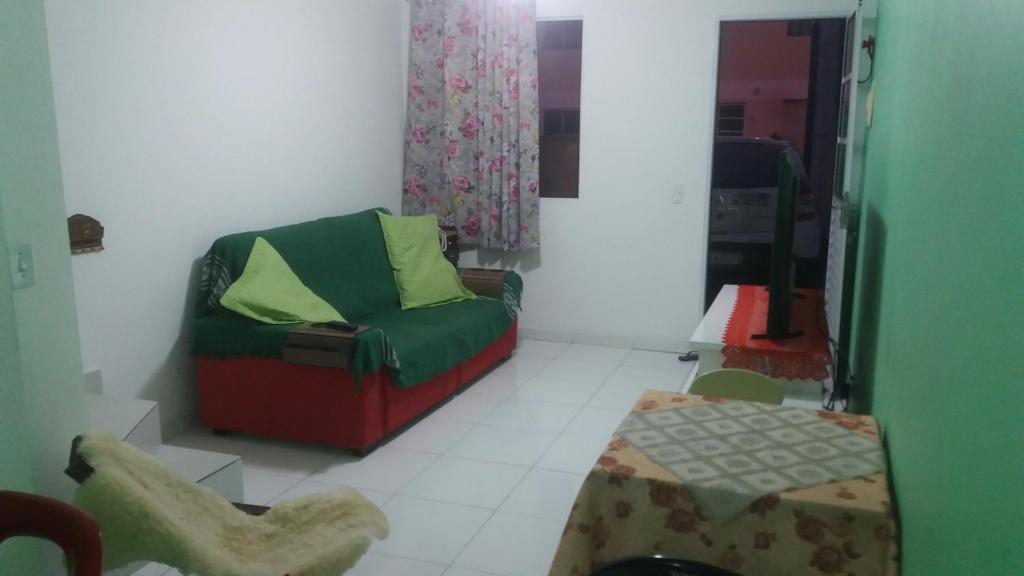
x=659 y=566
x=737 y=384
x=77 y=534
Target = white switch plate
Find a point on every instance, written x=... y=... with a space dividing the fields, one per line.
x=677 y=194
x=23 y=267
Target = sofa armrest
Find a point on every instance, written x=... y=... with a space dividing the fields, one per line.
x=483 y=281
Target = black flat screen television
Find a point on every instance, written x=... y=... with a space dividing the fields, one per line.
x=783 y=273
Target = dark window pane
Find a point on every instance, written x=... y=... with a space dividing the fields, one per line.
x=730 y=125
x=571 y=122
x=559 y=53
x=552 y=122
x=573 y=34
x=560 y=166
x=731 y=111
x=550 y=35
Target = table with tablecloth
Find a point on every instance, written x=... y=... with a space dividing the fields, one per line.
x=635 y=501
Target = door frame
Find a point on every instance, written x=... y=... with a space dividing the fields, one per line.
x=809 y=14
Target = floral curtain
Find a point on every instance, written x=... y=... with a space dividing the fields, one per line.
x=471 y=146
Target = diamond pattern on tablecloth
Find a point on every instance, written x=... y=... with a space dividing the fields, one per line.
x=686 y=432
x=761 y=422
x=817 y=450
x=663 y=418
x=731 y=453
x=671 y=453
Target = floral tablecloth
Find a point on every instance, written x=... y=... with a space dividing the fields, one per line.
x=630 y=505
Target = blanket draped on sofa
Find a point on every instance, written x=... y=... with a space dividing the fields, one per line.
x=344 y=260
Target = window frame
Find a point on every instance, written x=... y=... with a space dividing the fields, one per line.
x=570 y=192
x=742 y=118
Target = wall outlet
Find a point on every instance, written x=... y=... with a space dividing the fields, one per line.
x=23 y=267
x=677 y=194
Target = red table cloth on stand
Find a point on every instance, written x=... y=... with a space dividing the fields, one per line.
x=804 y=357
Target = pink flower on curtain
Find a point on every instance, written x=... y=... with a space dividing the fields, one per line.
x=420 y=135
x=415 y=186
x=450 y=43
x=419 y=32
x=471 y=150
x=468 y=22
x=461 y=183
x=472 y=226
x=470 y=127
x=458 y=83
x=513 y=189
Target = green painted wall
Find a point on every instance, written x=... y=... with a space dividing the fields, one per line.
x=15 y=474
x=940 y=301
x=42 y=403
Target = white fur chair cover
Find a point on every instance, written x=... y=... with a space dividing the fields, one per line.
x=149 y=513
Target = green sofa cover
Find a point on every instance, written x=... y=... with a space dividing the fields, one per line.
x=343 y=260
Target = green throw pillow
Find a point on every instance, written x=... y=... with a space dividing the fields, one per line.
x=423 y=276
x=270 y=292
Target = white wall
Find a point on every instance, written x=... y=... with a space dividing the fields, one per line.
x=183 y=121
x=623 y=264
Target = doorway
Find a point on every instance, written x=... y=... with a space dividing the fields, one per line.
x=778 y=92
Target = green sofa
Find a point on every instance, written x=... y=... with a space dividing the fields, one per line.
x=407 y=362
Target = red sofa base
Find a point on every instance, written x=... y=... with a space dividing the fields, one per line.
x=268 y=397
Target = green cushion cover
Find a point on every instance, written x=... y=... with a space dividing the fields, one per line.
x=344 y=260
x=423 y=276
x=270 y=292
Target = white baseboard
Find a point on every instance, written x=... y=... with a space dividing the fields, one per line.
x=609 y=340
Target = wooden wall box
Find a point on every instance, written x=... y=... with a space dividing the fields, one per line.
x=85 y=234
x=315 y=346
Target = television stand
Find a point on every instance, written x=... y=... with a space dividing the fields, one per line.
x=707 y=341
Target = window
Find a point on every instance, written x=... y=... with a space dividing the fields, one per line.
x=731 y=119
x=559 y=64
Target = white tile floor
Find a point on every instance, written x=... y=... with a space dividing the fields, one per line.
x=483 y=485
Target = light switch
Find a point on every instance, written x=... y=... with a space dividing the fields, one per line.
x=677 y=194
x=23 y=267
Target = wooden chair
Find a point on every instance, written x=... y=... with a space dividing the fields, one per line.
x=77 y=534
x=737 y=384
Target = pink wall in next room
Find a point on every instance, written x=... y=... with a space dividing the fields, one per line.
x=768 y=70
